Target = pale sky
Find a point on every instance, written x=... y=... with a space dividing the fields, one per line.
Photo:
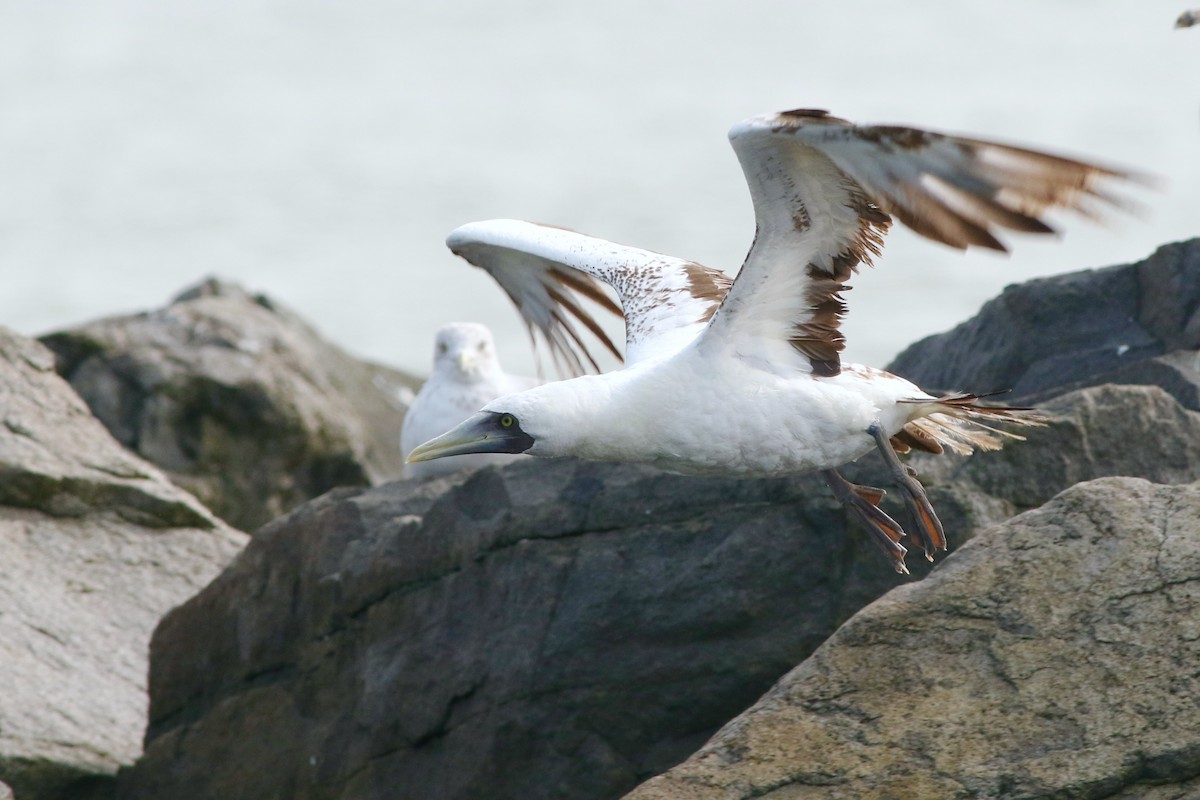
x=320 y=152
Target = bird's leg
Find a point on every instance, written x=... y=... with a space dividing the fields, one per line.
x=864 y=502
x=929 y=526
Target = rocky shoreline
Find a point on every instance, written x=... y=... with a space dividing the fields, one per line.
x=581 y=630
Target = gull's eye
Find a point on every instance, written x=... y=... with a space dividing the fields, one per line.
x=482 y=346
x=443 y=347
x=507 y=420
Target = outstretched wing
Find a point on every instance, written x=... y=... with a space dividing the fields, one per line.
x=825 y=192
x=666 y=301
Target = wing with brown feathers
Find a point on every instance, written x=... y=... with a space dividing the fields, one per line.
x=825 y=192
x=666 y=301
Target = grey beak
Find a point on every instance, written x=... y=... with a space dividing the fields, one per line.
x=481 y=433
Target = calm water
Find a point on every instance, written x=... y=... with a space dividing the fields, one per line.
x=320 y=152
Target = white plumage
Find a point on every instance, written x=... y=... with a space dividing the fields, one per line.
x=745 y=377
x=466 y=375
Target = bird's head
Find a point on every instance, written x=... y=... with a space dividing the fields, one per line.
x=549 y=421
x=464 y=351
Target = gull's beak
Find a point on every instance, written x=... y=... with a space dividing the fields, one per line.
x=465 y=361
x=479 y=434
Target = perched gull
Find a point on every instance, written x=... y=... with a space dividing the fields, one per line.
x=466 y=375
x=745 y=377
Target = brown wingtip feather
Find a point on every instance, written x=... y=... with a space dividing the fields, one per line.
x=588 y=322
x=1008 y=187
x=929 y=216
x=586 y=286
x=1027 y=183
x=567 y=348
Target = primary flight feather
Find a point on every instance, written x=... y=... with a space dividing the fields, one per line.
x=744 y=377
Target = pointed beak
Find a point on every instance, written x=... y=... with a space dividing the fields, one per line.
x=479 y=434
x=465 y=361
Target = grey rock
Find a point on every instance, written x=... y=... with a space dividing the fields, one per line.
x=552 y=629
x=484 y=638
x=239 y=400
x=1054 y=656
x=1136 y=323
x=55 y=457
x=96 y=545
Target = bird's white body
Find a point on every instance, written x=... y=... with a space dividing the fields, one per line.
x=701 y=414
x=466 y=376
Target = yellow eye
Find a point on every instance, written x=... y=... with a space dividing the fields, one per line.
x=507 y=421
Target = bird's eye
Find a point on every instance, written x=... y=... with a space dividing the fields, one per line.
x=482 y=346
x=443 y=347
x=507 y=421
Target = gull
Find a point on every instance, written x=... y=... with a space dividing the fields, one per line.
x=466 y=375
x=744 y=377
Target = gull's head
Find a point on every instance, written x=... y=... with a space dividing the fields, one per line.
x=550 y=420
x=464 y=351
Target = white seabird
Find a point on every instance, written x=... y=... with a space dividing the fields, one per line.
x=466 y=375
x=745 y=377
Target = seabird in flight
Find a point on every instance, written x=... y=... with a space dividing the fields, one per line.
x=744 y=377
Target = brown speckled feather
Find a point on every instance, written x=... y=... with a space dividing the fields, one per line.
x=825 y=193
